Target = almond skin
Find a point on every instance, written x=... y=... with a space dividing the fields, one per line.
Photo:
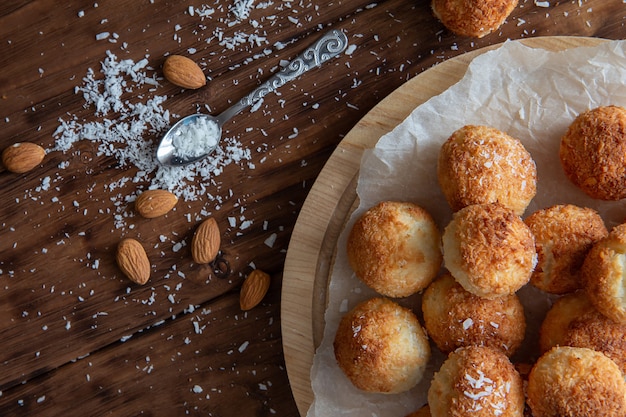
x=206 y=242
x=183 y=72
x=254 y=289
x=155 y=203
x=133 y=261
x=22 y=157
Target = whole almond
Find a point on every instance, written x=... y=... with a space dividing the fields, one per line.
x=206 y=242
x=22 y=157
x=183 y=72
x=254 y=289
x=155 y=203
x=133 y=261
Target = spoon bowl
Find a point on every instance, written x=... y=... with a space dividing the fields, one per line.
x=196 y=136
x=169 y=151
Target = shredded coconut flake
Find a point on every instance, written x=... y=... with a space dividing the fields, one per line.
x=241 y=9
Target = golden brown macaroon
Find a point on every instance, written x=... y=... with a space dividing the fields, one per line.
x=476 y=381
x=473 y=18
x=593 y=152
x=480 y=164
x=394 y=248
x=563 y=236
x=598 y=332
x=381 y=347
x=455 y=318
x=489 y=250
x=604 y=274
x=561 y=314
x=574 y=321
x=574 y=382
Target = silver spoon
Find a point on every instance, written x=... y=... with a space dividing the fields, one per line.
x=195 y=136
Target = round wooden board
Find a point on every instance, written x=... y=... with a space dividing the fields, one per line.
x=312 y=246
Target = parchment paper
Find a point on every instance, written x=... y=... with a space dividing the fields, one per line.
x=530 y=93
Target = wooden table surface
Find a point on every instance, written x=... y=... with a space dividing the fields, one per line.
x=78 y=338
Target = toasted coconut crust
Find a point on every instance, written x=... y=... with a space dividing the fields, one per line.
x=576 y=382
x=381 y=347
x=480 y=164
x=564 y=311
x=394 y=248
x=476 y=381
x=604 y=274
x=456 y=318
x=593 y=152
x=489 y=250
x=597 y=332
x=473 y=18
x=574 y=321
x=564 y=234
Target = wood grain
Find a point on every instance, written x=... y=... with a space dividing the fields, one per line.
x=308 y=265
x=65 y=306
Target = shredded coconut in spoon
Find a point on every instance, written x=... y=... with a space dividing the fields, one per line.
x=192 y=140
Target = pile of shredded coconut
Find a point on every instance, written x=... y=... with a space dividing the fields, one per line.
x=127 y=117
x=124 y=135
x=129 y=128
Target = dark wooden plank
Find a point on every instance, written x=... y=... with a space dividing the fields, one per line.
x=198 y=364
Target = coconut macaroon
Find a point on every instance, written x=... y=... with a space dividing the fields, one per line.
x=574 y=321
x=455 y=318
x=593 y=152
x=381 y=347
x=394 y=248
x=563 y=236
x=573 y=382
x=481 y=164
x=477 y=381
x=604 y=274
x=489 y=250
x=562 y=313
x=473 y=18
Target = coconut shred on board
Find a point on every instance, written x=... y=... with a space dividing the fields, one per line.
x=123 y=136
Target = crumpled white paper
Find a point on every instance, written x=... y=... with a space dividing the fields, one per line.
x=533 y=95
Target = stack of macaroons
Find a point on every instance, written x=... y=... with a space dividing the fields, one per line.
x=394 y=248
x=584 y=332
x=583 y=336
x=471 y=310
x=577 y=260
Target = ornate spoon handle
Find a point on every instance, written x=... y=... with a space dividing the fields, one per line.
x=327 y=47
